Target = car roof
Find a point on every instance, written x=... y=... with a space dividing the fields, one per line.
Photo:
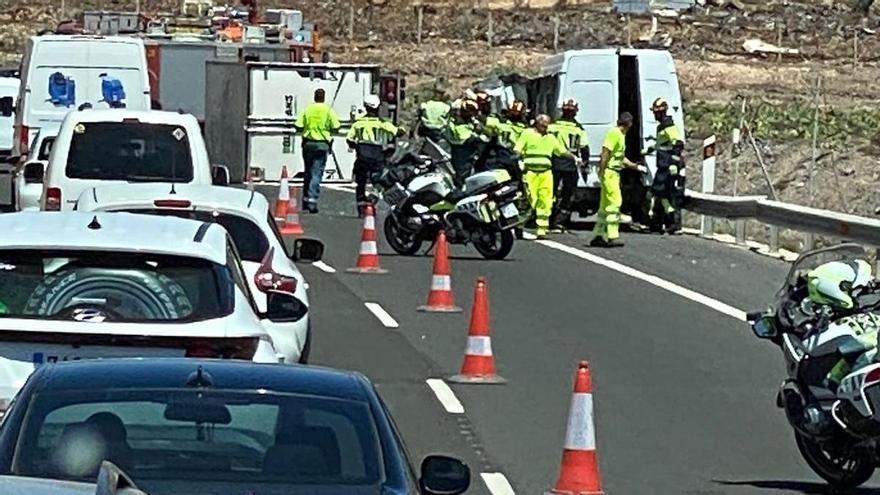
x=124 y=232
x=227 y=374
x=87 y=37
x=119 y=114
x=206 y=197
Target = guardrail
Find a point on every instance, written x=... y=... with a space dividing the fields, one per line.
x=781 y=215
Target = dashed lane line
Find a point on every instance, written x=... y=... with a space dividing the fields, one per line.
x=497 y=483
x=324 y=267
x=654 y=280
x=383 y=316
x=445 y=395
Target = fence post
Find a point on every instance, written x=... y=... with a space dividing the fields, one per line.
x=556 y=33
x=351 y=20
x=420 y=12
x=707 y=227
x=490 y=32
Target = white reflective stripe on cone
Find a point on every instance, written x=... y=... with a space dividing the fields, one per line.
x=370 y=223
x=479 y=346
x=441 y=282
x=369 y=247
x=283 y=194
x=293 y=218
x=580 y=434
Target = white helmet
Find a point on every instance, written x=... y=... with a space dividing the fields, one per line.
x=372 y=101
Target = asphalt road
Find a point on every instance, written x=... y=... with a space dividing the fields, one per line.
x=684 y=393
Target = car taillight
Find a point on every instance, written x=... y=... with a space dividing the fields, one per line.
x=24 y=140
x=267 y=280
x=235 y=348
x=872 y=377
x=53 y=199
x=172 y=203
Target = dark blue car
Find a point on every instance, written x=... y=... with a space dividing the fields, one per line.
x=215 y=427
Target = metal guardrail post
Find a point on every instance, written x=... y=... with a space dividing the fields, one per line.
x=773 y=236
x=809 y=241
x=707 y=224
x=740 y=226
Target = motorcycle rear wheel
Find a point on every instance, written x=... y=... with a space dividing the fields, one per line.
x=838 y=471
x=494 y=244
x=401 y=242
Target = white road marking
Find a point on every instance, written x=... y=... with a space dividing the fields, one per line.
x=339 y=187
x=654 y=280
x=445 y=395
x=383 y=316
x=324 y=267
x=497 y=483
x=529 y=236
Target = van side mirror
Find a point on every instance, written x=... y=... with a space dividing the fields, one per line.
x=282 y=307
x=220 y=175
x=307 y=250
x=441 y=475
x=6 y=106
x=34 y=172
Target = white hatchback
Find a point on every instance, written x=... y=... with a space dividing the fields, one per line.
x=245 y=214
x=89 y=285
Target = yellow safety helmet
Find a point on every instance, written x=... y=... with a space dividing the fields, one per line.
x=659 y=105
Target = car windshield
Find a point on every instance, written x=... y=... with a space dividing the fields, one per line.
x=119 y=287
x=174 y=441
x=247 y=236
x=129 y=151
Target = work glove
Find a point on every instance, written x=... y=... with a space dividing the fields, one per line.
x=673 y=170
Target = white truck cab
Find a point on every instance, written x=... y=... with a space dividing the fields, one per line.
x=61 y=73
x=105 y=147
x=9 y=87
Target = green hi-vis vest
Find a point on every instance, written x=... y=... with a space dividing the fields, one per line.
x=435 y=114
x=537 y=150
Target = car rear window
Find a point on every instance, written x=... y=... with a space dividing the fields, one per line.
x=247 y=236
x=129 y=151
x=123 y=287
x=173 y=441
x=45 y=148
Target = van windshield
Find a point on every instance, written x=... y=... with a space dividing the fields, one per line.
x=134 y=152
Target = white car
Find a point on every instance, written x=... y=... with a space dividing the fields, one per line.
x=102 y=147
x=245 y=214
x=28 y=178
x=8 y=93
x=79 y=285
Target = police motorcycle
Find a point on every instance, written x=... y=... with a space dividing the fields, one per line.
x=825 y=322
x=420 y=187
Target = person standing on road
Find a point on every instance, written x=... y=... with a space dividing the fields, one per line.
x=466 y=140
x=317 y=123
x=434 y=117
x=373 y=139
x=611 y=162
x=537 y=148
x=668 y=185
x=565 y=171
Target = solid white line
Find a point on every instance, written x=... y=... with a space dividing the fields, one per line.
x=497 y=483
x=445 y=395
x=324 y=267
x=383 y=316
x=529 y=236
x=339 y=187
x=654 y=280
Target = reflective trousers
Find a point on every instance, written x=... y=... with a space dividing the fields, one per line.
x=540 y=186
x=610 y=200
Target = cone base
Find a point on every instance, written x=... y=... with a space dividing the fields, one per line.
x=555 y=492
x=477 y=379
x=368 y=271
x=292 y=232
x=439 y=309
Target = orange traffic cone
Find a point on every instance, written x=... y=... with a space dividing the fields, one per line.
x=292 y=225
x=479 y=363
x=368 y=257
x=283 y=202
x=579 y=473
x=440 y=298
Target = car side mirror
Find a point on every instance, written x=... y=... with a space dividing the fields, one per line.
x=6 y=106
x=307 y=250
x=220 y=175
x=34 y=172
x=441 y=475
x=282 y=307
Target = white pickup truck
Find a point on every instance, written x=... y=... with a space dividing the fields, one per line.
x=104 y=147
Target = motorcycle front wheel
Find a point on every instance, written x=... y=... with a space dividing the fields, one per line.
x=849 y=470
x=400 y=240
x=492 y=243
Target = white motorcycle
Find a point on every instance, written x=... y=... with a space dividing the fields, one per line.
x=824 y=322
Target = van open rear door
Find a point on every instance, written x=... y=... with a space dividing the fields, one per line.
x=592 y=80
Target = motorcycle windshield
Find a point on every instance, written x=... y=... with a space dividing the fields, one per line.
x=809 y=260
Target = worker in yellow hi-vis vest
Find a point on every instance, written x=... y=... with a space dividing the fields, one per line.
x=318 y=123
x=537 y=147
x=613 y=159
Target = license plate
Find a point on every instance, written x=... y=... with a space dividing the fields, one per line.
x=395 y=195
x=48 y=353
x=509 y=211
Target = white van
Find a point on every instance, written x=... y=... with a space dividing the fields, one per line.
x=61 y=73
x=605 y=82
x=8 y=95
x=105 y=147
